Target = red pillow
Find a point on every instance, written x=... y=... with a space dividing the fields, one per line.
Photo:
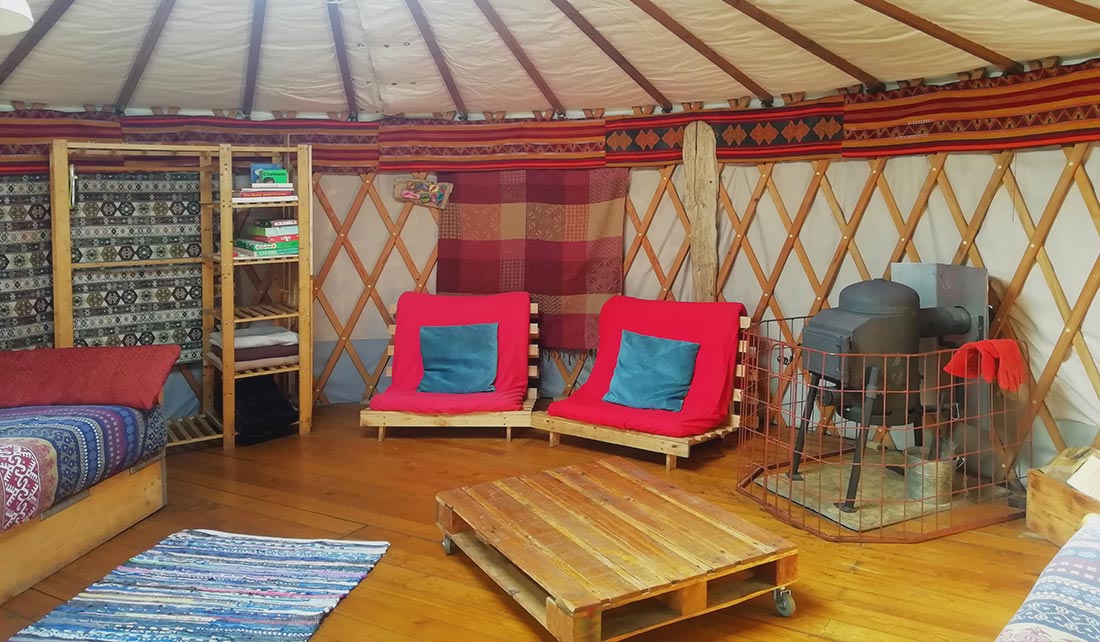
x=123 y=376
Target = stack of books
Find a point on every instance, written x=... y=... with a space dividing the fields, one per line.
x=270 y=184
x=268 y=238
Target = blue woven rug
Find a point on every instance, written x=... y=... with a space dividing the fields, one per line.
x=214 y=586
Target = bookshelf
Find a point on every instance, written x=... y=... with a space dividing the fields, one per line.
x=281 y=294
x=236 y=291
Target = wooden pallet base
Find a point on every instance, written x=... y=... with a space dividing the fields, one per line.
x=383 y=419
x=38 y=548
x=671 y=447
x=603 y=551
x=616 y=623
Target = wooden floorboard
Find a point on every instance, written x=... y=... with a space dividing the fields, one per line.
x=341 y=482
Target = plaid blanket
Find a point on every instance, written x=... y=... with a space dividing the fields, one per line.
x=557 y=234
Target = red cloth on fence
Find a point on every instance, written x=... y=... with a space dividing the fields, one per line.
x=716 y=327
x=991 y=359
x=511 y=311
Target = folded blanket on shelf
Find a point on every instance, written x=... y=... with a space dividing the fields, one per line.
x=262 y=352
x=273 y=362
x=258 y=337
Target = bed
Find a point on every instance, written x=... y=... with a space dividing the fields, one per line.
x=51 y=453
x=82 y=443
x=1064 y=604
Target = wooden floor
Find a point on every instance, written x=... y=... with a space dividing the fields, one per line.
x=339 y=483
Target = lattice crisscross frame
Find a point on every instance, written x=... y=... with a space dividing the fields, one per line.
x=876 y=198
x=395 y=227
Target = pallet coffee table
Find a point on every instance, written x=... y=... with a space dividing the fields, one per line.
x=603 y=550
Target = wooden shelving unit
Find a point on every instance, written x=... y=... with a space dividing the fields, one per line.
x=286 y=284
x=290 y=304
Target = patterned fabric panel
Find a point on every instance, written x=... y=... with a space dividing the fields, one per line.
x=139 y=306
x=138 y=217
x=1064 y=605
x=50 y=453
x=26 y=293
x=135 y=217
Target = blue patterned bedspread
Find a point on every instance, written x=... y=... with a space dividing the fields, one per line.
x=50 y=453
x=1064 y=605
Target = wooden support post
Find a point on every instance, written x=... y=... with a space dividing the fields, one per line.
x=206 y=228
x=225 y=275
x=701 y=203
x=61 y=233
x=303 y=298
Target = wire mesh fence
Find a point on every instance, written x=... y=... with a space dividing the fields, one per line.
x=899 y=451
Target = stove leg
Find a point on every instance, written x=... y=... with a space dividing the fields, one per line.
x=870 y=394
x=803 y=426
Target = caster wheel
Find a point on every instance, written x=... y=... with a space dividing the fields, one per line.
x=448 y=545
x=784 y=602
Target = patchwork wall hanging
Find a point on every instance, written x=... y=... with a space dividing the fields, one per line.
x=556 y=234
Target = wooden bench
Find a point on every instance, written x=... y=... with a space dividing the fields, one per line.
x=602 y=551
x=671 y=447
x=507 y=419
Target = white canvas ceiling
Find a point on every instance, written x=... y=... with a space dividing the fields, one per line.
x=199 y=62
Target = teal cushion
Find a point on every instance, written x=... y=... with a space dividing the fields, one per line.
x=652 y=372
x=458 y=359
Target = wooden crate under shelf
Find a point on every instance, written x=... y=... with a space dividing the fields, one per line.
x=183 y=431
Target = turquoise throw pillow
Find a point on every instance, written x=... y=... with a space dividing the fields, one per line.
x=458 y=359
x=652 y=372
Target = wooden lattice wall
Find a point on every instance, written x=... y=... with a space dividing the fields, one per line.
x=791 y=235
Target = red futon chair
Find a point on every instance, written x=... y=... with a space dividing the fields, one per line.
x=705 y=413
x=508 y=404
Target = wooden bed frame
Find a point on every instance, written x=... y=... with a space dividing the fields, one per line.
x=37 y=548
x=671 y=447
x=509 y=419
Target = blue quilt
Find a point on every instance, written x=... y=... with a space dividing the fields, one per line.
x=50 y=453
x=1064 y=605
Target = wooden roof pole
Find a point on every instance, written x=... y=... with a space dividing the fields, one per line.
x=145 y=51
x=521 y=56
x=930 y=28
x=1073 y=8
x=337 y=24
x=597 y=38
x=681 y=32
x=33 y=36
x=781 y=28
x=437 y=54
x=255 y=43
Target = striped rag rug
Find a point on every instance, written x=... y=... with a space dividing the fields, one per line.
x=214 y=586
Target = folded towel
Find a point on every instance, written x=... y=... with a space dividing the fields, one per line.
x=262 y=352
x=991 y=359
x=258 y=337
x=273 y=362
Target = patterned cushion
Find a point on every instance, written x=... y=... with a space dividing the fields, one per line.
x=1064 y=605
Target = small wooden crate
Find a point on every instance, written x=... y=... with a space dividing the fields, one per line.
x=1054 y=509
x=603 y=551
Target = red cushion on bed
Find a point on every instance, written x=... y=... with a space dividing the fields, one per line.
x=716 y=327
x=440 y=403
x=122 y=376
x=512 y=314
